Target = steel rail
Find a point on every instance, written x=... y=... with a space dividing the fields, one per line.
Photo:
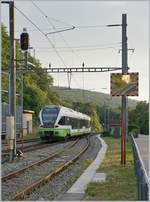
x=24 y=141
x=22 y=195
x=29 y=147
x=22 y=170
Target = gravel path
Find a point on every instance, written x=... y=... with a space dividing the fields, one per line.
x=27 y=178
x=60 y=184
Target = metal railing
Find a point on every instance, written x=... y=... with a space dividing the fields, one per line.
x=142 y=177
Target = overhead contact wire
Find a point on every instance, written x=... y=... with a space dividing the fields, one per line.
x=41 y=11
x=43 y=34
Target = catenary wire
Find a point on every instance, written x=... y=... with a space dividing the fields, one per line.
x=50 y=42
x=84 y=46
x=61 y=36
x=64 y=40
x=54 y=19
x=78 y=50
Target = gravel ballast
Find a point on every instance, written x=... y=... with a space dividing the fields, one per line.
x=34 y=174
x=60 y=184
x=29 y=158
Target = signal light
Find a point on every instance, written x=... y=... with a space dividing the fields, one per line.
x=24 y=40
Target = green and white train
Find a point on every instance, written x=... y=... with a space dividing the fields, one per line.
x=58 y=122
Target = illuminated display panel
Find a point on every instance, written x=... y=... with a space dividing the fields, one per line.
x=124 y=84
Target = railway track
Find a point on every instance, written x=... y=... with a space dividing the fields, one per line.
x=23 y=141
x=30 y=179
x=28 y=148
x=20 y=171
x=32 y=147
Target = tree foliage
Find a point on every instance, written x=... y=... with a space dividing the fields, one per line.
x=139 y=118
x=37 y=83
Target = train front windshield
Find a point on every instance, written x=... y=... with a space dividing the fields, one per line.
x=49 y=116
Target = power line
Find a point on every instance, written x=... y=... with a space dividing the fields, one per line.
x=42 y=34
x=54 y=19
x=61 y=36
x=83 y=46
x=50 y=23
x=76 y=27
x=45 y=16
x=90 y=26
x=81 y=49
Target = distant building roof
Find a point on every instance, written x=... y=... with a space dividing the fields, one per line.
x=28 y=111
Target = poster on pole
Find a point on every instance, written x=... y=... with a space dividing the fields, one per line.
x=124 y=84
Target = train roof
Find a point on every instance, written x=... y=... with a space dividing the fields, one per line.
x=70 y=112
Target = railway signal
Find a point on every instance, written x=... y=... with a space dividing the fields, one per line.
x=24 y=40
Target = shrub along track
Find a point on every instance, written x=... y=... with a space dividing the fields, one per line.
x=29 y=179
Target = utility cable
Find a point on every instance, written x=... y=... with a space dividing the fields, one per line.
x=54 y=19
x=89 y=26
x=83 y=46
x=51 y=24
x=77 y=50
x=50 y=42
x=64 y=40
x=61 y=36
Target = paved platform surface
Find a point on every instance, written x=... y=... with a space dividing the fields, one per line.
x=143 y=145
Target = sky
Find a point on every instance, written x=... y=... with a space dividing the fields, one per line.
x=91 y=42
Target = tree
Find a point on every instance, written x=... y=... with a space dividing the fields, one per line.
x=138 y=118
x=37 y=83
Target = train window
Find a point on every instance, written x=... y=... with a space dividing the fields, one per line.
x=62 y=121
x=49 y=115
x=75 y=123
x=68 y=121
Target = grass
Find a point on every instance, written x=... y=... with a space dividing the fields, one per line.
x=121 y=181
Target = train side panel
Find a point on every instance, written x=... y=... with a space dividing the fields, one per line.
x=53 y=133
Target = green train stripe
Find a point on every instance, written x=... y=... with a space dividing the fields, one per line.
x=60 y=132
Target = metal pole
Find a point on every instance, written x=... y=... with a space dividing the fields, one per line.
x=12 y=83
x=21 y=81
x=105 y=118
x=22 y=108
x=26 y=59
x=124 y=102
